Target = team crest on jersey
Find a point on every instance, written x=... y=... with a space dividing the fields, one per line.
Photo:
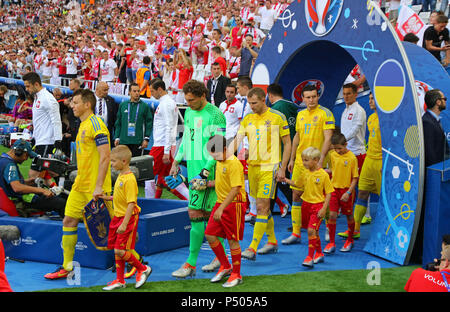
x=199 y=123
x=267 y=123
x=346 y=163
x=317 y=180
x=224 y=170
x=350 y=116
x=315 y=118
x=322 y=15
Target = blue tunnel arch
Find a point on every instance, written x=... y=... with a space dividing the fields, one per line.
x=357 y=32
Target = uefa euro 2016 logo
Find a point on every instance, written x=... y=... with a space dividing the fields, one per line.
x=322 y=15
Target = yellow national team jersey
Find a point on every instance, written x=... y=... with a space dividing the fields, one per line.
x=310 y=126
x=125 y=192
x=229 y=174
x=92 y=132
x=317 y=184
x=264 y=133
x=344 y=169
x=374 y=150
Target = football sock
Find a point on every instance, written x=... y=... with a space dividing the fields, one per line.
x=311 y=245
x=296 y=215
x=279 y=202
x=158 y=192
x=218 y=250
x=258 y=231
x=128 y=257
x=120 y=269
x=236 y=260
x=332 y=230
x=360 y=210
x=196 y=236
x=69 y=240
x=270 y=231
x=318 y=245
x=351 y=229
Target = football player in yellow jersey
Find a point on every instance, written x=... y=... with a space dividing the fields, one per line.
x=344 y=168
x=93 y=175
x=314 y=128
x=370 y=178
x=316 y=199
x=265 y=129
x=123 y=226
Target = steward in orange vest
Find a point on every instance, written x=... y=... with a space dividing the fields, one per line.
x=143 y=77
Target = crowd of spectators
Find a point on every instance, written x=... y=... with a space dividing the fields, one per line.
x=60 y=39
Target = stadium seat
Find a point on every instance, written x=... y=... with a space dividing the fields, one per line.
x=7 y=204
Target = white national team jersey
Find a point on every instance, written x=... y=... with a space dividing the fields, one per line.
x=233 y=112
x=165 y=123
x=47 y=127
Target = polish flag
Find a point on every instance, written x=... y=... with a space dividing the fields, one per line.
x=409 y=22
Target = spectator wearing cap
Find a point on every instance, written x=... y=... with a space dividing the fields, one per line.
x=256 y=33
x=25 y=194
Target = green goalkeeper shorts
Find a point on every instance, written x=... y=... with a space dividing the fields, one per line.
x=202 y=200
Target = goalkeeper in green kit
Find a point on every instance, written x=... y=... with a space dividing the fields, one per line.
x=202 y=121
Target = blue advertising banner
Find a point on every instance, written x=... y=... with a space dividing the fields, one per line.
x=320 y=42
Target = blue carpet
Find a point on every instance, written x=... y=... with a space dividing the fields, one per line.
x=29 y=276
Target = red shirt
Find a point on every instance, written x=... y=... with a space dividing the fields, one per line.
x=236 y=40
x=427 y=281
x=185 y=75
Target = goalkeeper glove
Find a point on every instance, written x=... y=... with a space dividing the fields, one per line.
x=199 y=182
x=174 y=181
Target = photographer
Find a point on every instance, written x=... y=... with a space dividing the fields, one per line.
x=437 y=276
x=27 y=197
x=248 y=53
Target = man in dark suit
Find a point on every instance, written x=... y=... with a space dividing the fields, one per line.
x=436 y=146
x=436 y=150
x=217 y=85
x=106 y=108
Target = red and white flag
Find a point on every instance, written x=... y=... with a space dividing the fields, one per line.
x=409 y=22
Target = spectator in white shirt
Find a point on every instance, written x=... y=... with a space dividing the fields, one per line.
x=108 y=68
x=71 y=65
x=268 y=17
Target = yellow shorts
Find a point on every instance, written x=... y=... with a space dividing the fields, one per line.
x=76 y=202
x=262 y=181
x=370 y=178
x=298 y=175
